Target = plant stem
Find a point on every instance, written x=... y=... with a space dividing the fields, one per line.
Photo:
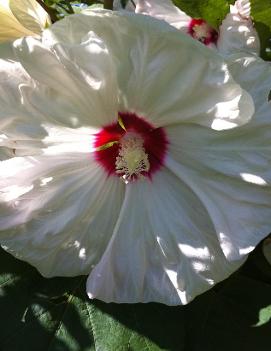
x=66 y=7
x=69 y=7
x=108 y=4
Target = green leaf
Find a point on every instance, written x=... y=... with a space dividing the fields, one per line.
x=261 y=12
x=231 y=314
x=56 y=315
x=213 y=11
x=264 y=316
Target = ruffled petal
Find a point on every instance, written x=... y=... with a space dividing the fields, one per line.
x=163 y=249
x=166 y=11
x=29 y=122
x=237 y=32
x=53 y=210
x=72 y=87
x=231 y=175
x=57 y=70
x=231 y=170
x=15 y=111
x=253 y=74
x=149 y=60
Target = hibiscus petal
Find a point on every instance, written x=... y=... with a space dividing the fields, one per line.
x=172 y=255
x=237 y=32
x=231 y=175
x=53 y=210
x=15 y=111
x=253 y=74
x=164 y=10
x=59 y=72
x=43 y=105
x=202 y=90
x=37 y=106
x=231 y=170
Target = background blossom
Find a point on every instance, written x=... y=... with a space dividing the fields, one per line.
x=236 y=29
x=21 y=18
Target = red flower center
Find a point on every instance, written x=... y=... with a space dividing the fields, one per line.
x=131 y=148
x=199 y=29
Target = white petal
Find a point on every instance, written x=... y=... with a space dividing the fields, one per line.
x=237 y=32
x=195 y=88
x=163 y=249
x=15 y=112
x=243 y=7
x=164 y=10
x=240 y=156
x=253 y=74
x=230 y=172
x=53 y=210
x=149 y=90
x=64 y=75
x=53 y=100
x=28 y=113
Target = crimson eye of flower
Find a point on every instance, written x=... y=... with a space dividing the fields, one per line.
x=131 y=147
x=199 y=29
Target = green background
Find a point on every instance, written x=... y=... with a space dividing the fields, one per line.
x=39 y=314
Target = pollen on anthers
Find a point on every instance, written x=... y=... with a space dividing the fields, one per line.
x=132 y=161
x=131 y=148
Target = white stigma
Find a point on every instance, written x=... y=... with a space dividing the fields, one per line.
x=132 y=159
x=201 y=31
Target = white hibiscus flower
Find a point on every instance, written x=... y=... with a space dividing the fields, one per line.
x=21 y=18
x=236 y=29
x=122 y=162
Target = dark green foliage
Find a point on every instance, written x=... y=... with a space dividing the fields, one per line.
x=55 y=315
x=261 y=10
x=213 y=11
